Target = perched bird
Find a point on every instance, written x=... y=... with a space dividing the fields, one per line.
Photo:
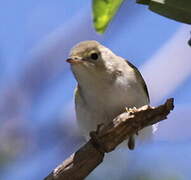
x=107 y=84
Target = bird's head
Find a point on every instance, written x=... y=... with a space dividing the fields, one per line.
x=91 y=61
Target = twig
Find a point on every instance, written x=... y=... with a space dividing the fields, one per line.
x=106 y=139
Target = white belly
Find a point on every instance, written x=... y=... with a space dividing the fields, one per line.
x=111 y=104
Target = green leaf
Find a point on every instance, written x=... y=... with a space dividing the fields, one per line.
x=179 y=10
x=103 y=12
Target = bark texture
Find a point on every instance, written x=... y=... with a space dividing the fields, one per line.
x=106 y=138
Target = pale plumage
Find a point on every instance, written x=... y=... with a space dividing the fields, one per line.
x=106 y=85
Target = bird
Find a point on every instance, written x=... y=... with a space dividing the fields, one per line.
x=106 y=85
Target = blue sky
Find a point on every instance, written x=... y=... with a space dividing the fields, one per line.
x=36 y=92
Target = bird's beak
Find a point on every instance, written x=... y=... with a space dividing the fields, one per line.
x=74 y=60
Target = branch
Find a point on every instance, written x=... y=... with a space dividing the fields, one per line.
x=106 y=139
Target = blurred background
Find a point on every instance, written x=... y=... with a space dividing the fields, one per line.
x=37 y=119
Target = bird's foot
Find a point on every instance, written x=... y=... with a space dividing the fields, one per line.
x=95 y=139
x=131 y=110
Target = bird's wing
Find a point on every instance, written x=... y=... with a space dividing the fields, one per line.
x=140 y=78
x=131 y=140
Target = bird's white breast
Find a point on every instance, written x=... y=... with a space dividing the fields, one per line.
x=106 y=101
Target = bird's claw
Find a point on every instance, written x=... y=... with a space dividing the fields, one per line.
x=131 y=110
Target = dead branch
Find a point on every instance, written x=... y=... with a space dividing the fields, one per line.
x=106 y=139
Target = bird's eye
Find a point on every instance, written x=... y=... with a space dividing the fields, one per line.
x=94 y=56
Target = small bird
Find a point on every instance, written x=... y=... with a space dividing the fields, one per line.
x=107 y=84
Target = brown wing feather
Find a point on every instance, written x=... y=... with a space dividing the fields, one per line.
x=131 y=140
x=140 y=78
